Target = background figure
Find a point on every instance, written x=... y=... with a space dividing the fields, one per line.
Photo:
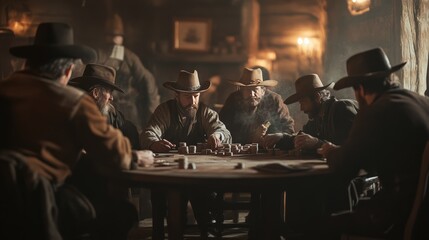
x=211 y=96
x=141 y=92
x=6 y=39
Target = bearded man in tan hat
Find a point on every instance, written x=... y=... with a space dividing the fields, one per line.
x=185 y=118
x=388 y=137
x=248 y=111
x=330 y=119
x=45 y=125
x=140 y=97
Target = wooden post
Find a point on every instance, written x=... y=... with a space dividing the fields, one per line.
x=250 y=27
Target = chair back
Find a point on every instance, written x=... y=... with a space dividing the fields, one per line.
x=419 y=213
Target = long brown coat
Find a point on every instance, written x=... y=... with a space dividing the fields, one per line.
x=51 y=124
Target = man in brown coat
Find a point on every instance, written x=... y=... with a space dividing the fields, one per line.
x=247 y=111
x=45 y=125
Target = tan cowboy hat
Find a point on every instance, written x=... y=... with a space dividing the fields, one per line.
x=306 y=86
x=54 y=40
x=96 y=74
x=371 y=64
x=188 y=82
x=252 y=78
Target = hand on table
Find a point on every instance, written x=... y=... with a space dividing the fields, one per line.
x=270 y=140
x=305 y=141
x=326 y=148
x=144 y=157
x=214 y=141
x=162 y=146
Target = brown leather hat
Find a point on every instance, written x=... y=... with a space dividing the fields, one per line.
x=96 y=74
x=305 y=86
x=188 y=82
x=371 y=64
x=252 y=78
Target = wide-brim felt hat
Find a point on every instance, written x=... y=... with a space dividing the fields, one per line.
x=54 y=40
x=369 y=65
x=188 y=82
x=306 y=86
x=253 y=78
x=96 y=74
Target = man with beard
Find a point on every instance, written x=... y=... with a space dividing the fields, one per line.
x=330 y=119
x=45 y=125
x=388 y=136
x=99 y=82
x=253 y=110
x=184 y=119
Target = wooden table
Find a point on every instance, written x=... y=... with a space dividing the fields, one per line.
x=219 y=173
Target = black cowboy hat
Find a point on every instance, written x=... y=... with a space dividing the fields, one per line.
x=188 y=82
x=371 y=64
x=54 y=40
x=305 y=86
x=96 y=74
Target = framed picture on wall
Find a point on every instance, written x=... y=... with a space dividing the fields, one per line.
x=192 y=34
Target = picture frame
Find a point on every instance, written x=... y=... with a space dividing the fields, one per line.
x=192 y=34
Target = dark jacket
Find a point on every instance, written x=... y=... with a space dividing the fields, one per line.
x=336 y=121
x=387 y=137
x=242 y=125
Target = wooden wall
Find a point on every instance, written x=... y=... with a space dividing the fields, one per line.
x=398 y=26
x=282 y=22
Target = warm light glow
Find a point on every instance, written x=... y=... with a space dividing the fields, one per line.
x=308 y=46
x=357 y=7
x=19 y=19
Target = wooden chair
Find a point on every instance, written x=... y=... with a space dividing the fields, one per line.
x=417 y=223
x=416 y=227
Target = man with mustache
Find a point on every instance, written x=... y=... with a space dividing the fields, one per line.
x=330 y=119
x=99 y=82
x=184 y=119
x=248 y=110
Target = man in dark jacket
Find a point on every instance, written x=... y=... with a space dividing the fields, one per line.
x=253 y=110
x=330 y=119
x=388 y=137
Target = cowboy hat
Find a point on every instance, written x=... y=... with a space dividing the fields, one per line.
x=252 y=78
x=96 y=74
x=188 y=82
x=371 y=64
x=305 y=86
x=54 y=40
